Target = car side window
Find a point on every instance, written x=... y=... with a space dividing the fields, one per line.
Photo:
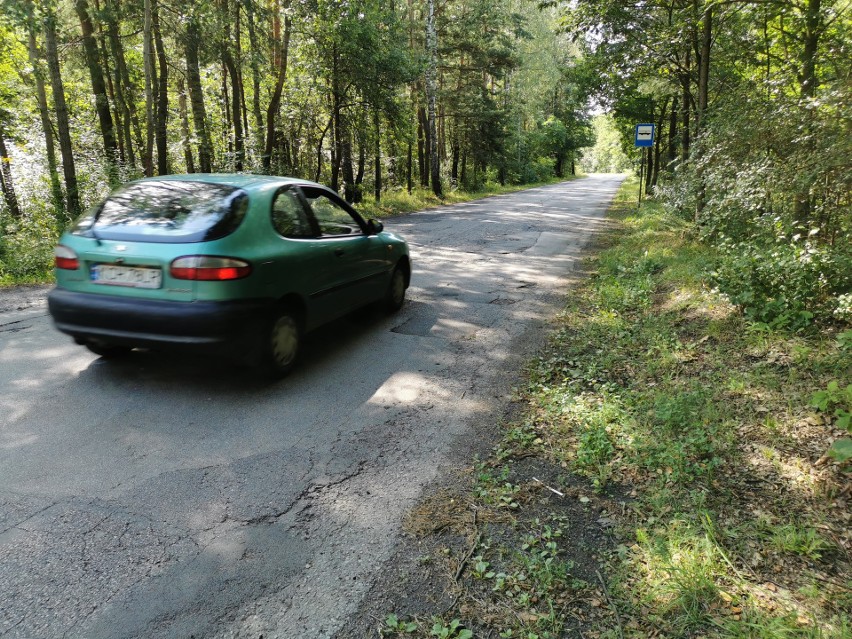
x=288 y=215
x=333 y=219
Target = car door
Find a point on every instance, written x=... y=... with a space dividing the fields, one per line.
x=297 y=257
x=355 y=264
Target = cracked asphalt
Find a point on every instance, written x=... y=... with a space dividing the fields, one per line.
x=171 y=496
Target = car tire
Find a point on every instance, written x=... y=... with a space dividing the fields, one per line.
x=283 y=341
x=395 y=295
x=108 y=351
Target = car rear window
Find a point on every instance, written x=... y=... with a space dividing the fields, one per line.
x=166 y=211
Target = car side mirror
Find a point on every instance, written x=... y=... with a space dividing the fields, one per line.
x=375 y=227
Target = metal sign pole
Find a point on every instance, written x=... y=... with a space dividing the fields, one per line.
x=643 y=139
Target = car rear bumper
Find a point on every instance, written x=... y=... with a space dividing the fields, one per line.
x=153 y=323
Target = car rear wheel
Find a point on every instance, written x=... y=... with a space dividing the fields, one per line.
x=108 y=351
x=283 y=342
x=395 y=296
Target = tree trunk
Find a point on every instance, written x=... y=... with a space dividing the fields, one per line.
x=422 y=147
x=233 y=73
x=44 y=114
x=672 y=139
x=148 y=58
x=685 y=114
x=124 y=89
x=225 y=104
x=813 y=31
x=704 y=65
x=703 y=89
x=319 y=152
x=6 y=182
x=377 y=181
x=649 y=168
x=96 y=74
x=255 y=78
x=196 y=97
x=238 y=50
x=349 y=187
x=409 y=169
x=161 y=132
x=808 y=84
x=112 y=92
x=456 y=154
x=337 y=129
x=658 y=146
x=62 y=124
x=236 y=110
x=362 y=161
x=281 y=56
x=431 y=90
x=184 y=127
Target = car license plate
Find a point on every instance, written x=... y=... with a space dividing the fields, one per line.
x=127 y=276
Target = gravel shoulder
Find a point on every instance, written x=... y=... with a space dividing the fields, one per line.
x=23 y=298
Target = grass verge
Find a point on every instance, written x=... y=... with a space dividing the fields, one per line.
x=664 y=473
x=400 y=201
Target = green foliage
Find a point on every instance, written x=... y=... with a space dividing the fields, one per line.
x=26 y=249
x=841 y=450
x=784 y=286
x=481 y=569
x=453 y=630
x=757 y=157
x=778 y=228
x=798 y=540
x=595 y=446
x=606 y=155
x=839 y=400
x=393 y=626
x=495 y=490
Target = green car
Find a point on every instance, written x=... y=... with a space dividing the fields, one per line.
x=241 y=264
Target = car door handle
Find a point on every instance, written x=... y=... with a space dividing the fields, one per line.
x=339 y=252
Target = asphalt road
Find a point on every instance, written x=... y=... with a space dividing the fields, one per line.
x=168 y=496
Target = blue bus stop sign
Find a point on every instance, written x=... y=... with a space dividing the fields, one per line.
x=644 y=135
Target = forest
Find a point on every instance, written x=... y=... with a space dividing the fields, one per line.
x=750 y=98
x=365 y=96
x=751 y=101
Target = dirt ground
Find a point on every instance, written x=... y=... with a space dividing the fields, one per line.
x=428 y=577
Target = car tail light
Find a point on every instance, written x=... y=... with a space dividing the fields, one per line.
x=208 y=268
x=65 y=258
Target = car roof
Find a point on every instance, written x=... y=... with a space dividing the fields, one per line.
x=238 y=180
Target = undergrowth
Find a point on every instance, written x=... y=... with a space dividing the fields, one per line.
x=400 y=200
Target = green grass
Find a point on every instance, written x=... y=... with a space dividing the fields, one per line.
x=398 y=201
x=705 y=435
x=654 y=383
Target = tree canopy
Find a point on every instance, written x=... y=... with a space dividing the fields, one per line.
x=308 y=88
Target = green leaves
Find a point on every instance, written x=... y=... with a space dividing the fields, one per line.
x=453 y=631
x=841 y=450
x=839 y=400
x=395 y=627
